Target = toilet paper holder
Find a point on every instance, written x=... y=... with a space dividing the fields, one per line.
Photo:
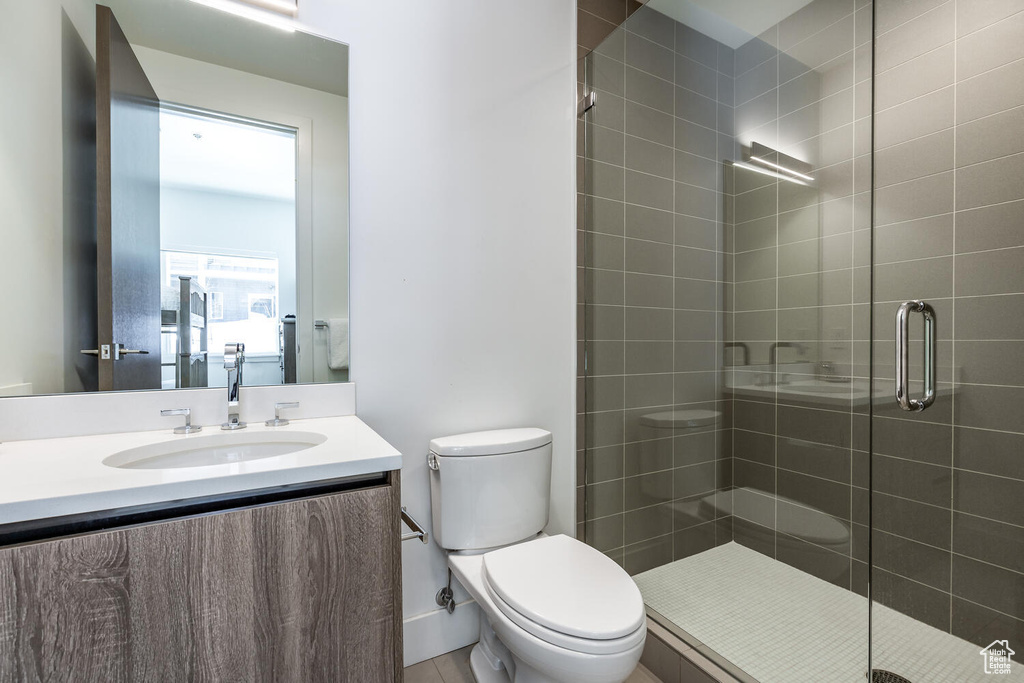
x=417 y=530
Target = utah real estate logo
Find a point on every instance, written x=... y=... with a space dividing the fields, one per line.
x=997 y=657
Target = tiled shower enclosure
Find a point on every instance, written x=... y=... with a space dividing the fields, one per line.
x=755 y=208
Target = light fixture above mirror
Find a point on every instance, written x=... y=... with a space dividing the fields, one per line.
x=257 y=11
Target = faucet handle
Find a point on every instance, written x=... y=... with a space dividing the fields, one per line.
x=188 y=428
x=278 y=407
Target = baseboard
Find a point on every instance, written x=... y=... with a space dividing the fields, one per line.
x=434 y=633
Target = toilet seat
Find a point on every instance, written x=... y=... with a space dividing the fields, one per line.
x=567 y=594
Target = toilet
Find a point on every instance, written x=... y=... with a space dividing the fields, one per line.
x=554 y=609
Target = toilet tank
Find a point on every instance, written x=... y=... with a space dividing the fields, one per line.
x=489 y=488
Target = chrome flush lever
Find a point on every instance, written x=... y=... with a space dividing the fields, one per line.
x=903 y=356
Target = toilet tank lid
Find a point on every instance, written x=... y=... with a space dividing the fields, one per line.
x=491 y=442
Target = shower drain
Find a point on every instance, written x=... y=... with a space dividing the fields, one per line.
x=883 y=676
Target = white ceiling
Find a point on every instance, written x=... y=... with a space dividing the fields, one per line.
x=211 y=35
x=732 y=22
x=226 y=157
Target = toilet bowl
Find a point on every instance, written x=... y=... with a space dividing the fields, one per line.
x=555 y=610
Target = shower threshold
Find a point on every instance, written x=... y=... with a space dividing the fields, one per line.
x=781 y=625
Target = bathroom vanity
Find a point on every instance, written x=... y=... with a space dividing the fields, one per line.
x=202 y=224
x=276 y=568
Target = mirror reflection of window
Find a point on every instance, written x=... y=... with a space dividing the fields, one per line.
x=216 y=305
x=243 y=296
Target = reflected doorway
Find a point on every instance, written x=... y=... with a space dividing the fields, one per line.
x=227 y=246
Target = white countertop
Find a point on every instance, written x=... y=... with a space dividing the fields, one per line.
x=55 y=477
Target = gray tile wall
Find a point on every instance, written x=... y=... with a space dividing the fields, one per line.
x=653 y=251
x=798 y=278
x=948 y=503
x=595 y=19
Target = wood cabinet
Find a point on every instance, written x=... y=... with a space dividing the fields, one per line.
x=301 y=590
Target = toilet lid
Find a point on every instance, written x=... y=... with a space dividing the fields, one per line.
x=566 y=586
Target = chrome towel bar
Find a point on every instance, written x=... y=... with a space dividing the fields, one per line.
x=417 y=530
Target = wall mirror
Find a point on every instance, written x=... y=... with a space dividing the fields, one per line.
x=174 y=179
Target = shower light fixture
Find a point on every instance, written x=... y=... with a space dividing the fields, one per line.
x=765 y=171
x=782 y=169
x=246 y=12
x=786 y=168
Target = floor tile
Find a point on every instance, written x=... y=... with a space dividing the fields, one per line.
x=424 y=672
x=454 y=666
x=642 y=675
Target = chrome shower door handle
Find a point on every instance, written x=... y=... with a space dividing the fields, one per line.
x=903 y=356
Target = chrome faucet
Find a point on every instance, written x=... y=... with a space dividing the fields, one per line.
x=234 y=357
x=773 y=360
x=773 y=349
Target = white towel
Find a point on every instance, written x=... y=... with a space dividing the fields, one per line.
x=337 y=349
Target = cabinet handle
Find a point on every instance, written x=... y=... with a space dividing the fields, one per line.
x=417 y=530
x=903 y=356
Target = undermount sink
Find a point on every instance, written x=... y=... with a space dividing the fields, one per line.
x=219 y=449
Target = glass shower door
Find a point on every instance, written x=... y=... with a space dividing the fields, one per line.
x=726 y=329
x=758 y=207
x=947 y=576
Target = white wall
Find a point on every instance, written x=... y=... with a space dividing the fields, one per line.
x=463 y=239
x=30 y=197
x=31 y=200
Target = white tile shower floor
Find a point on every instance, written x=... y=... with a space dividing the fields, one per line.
x=782 y=625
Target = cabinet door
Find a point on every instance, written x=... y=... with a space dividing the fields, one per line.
x=299 y=591
x=64 y=611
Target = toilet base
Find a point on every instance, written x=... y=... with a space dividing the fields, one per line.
x=483 y=670
x=489 y=660
x=492 y=662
